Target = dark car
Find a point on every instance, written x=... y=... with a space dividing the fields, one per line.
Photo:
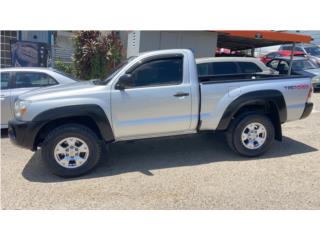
x=284 y=53
x=300 y=66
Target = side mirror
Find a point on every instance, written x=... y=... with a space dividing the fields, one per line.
x=125 y=81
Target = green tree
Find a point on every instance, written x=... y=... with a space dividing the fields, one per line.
x=95 y=55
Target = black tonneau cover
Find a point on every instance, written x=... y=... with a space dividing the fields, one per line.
x=209 y=79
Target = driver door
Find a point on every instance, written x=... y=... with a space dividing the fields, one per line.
x=157 y=102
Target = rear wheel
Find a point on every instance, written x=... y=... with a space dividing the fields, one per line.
x=251 y=135
x=71 y=150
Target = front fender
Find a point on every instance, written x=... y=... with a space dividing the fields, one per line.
x=93 y=111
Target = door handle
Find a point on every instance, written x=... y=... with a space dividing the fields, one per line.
x=181 y=94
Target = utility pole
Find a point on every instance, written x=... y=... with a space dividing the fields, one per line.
x=291 y=58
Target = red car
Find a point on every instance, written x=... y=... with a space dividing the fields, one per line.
x=283 y=53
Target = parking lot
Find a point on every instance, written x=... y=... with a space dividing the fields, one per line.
x=186 y=172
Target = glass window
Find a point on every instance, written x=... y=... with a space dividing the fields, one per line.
x=300 y=65
x=203 y=69
x=273 y=64
x=283 y=67
x=288 y=48
x=158 y=72
x=298 y=49
x=271 y=55
x=315 y=51
x=5 y=79
x=33 y=79
x=224 y=68
x=249 y=67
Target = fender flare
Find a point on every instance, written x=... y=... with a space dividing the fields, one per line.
x=262 y=97
x=93 y=111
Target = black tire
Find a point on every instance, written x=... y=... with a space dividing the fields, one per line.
x=236 y=128
x=71 y=130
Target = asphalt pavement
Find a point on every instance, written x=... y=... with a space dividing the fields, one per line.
x=185 y=172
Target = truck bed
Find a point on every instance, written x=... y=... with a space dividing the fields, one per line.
x=217 y=92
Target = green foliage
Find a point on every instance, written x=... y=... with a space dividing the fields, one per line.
x=67 y=68
x=95 y=55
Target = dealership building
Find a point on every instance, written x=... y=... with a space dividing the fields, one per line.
x=203 y=43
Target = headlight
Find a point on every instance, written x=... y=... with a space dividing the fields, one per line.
x=20 y=107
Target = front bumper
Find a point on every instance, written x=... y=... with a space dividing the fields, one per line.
x=307 y=110
x=23 y=134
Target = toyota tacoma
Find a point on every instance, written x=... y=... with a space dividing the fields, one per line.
x=156 y=94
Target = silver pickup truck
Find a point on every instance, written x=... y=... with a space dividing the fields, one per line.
x=156 y=94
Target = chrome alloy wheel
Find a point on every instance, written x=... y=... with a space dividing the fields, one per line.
x=253 y=136
x=71 y=152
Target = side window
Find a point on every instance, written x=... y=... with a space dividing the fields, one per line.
x=273 y=64
x=249 y=67
x=288 y=48
x=271 y=55
x=158 y=73
x=32 y=79
x=203 y=69
x=283 y=67
x=224 y=68
x=5 y=79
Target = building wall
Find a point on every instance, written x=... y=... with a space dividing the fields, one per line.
x=5 y=54
x=35 y=36
x=202 y=43
x=63 y=46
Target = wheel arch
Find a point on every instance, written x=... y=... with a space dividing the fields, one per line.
x=269 y=102
x=89 y=115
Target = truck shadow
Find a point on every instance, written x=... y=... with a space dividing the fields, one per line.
x=147 y=155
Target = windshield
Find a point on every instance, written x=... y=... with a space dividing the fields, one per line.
x=300 y=65
x=118 y=69
x=314 y=51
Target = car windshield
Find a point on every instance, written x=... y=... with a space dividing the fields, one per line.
x=300 y=65
x=314 y=51
x=116 y=70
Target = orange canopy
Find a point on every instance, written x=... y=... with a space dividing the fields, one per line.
x=271 y=35
x=239 y=40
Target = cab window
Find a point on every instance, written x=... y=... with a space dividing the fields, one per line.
x=159 y=72
x=249 y=67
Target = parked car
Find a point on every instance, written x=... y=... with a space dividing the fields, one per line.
x=231 y=65
x=156 y=94
x=283 y=53
x=300 y=66
x=16 y=81
x=311 y=50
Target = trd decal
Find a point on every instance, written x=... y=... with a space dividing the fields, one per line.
x=297 y=87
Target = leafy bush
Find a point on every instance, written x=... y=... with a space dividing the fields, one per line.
x=95 y=55
x=65 y=67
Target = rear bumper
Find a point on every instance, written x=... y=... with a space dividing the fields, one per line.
x=316 y=86
x=23 y=134
x=307 y=110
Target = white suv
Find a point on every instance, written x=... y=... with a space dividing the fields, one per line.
x=231 y=65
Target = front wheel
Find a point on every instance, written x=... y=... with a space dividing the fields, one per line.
x=71 y=150
x=251 y=135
